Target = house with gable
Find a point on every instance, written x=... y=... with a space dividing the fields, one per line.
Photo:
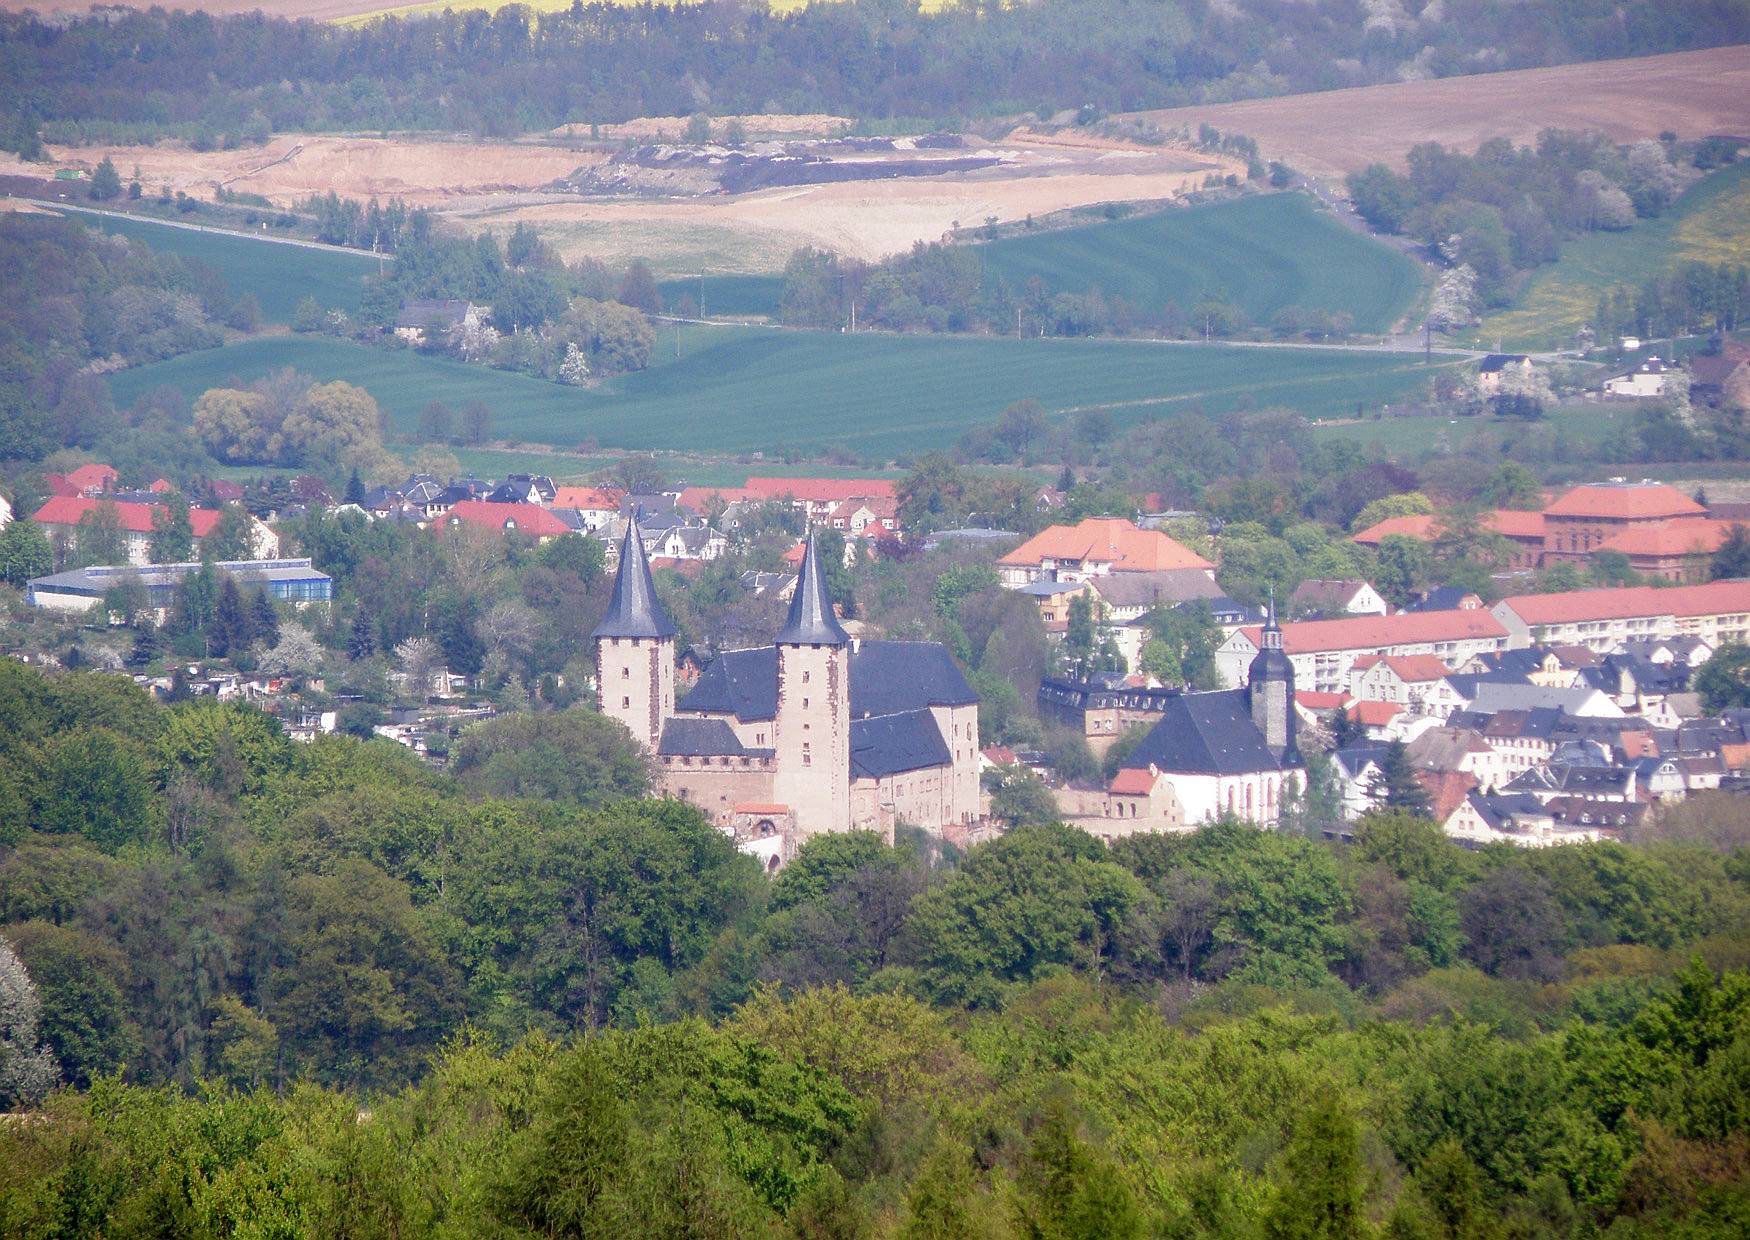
x=1096 y=547
x=1330 y=597
x=1417 y=682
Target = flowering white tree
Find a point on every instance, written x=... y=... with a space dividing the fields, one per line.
x=421 y=660
x=575 y=368
x=27 y=1068
x=1454 y=303
x=296 y=653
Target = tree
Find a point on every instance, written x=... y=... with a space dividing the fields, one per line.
x=24 y=552
x=237 y=425
x=172 y=537
x=230 y=631
x=232 y=536
x=334 y=423
x=27 y=1066
x=296 y=653
x=421 y=660
x=1512 y=925
x=1382 y=197
x=638 y=289
x=1724 y=680
x=1320 y=1183
x=575 y=756
x=100 y=538
x=436 y=423
x=106 y=182
x=1020 y=797
x=361 y=640
x=1394 y=784
x=264 y=618
x=1733 y=557
x=476 y=423
x=308 y=315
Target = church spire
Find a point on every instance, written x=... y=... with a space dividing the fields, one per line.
x=1272 y=636
x=634 y=611
x=811 y=621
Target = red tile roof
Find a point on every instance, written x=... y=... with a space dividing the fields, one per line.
x=1374 y=714
x=1417 y=668
x=1446 y=790
x=1312 y=699
x=162 y=486
x=93 y=477
x=1635 y=502
x=1695 y=536
x=1002 y=755
x=1381 y=632
x=1628 y=602
x=821 y=490
x=592 y=498
x=1509 y=522
x=135 y=518
x=1110 y=540
x=528 y=518
x=1133 y=782
x=694 y=499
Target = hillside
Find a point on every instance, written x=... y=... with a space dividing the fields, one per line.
x=1333 y=132
x=1710 y=223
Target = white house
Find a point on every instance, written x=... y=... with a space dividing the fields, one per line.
x=1323 y=652
x=1643 y=382
x=1417 y=682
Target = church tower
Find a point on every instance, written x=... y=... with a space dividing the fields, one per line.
x=634 y=647
x=812 y=731
x=1270 y=692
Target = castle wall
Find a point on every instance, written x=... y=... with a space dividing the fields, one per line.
x=959 y=728
x=716 y=785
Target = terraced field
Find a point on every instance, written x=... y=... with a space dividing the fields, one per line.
x=762 y=389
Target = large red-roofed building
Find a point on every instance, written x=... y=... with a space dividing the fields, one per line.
x=59 y=518
x=1716 y=612
x=1096 y=547
x=479 y=514
x=1323 y=652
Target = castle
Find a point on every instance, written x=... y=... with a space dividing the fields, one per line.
x=817 y=732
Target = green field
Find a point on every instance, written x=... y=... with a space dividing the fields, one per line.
x=279 y=275
x=1710 y=223
x=1264 y=253
x=739 y=389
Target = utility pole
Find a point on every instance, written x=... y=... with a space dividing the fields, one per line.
x=1427 y=342
x=701 y=292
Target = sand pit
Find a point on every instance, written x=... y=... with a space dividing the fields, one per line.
x=674 y=128
x=1692 y=94
x=295 y=166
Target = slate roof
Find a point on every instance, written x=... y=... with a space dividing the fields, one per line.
x=811 y=621
x=634 y=610
x=1206 y=734
x=695 y=738
x=890 y=744
x=421 y=314
x=887 y=678
x=1168 y=585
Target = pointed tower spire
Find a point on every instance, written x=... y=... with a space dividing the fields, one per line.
x=1272 y=636
x=811 y=621
x=634 y=611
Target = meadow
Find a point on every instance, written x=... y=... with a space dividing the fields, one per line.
x=1710 y=223
x=881 y=397
x=279 y=275
x=1261 y=253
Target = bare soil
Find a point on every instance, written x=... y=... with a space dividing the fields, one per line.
x=295 y=166
x=322 y=10
x=1692 y=94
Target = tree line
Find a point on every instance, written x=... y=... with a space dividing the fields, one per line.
x=224 y=80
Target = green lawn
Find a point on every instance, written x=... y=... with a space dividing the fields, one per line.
x=1406 y=437
x=279 y=275
x=1265 y=253
x=1262 y=253
x=738 y=389
x=1709 y=223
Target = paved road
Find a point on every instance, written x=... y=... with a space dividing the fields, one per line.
x=57 y=205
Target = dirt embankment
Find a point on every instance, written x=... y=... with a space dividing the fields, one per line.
x=1692 y=94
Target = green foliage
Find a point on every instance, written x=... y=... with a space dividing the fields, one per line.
x=1724 y=680
x=576 y=756
x=24 y=553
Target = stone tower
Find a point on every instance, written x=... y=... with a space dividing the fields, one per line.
x=812 y=731
x=634 y=647
x=1270 y=692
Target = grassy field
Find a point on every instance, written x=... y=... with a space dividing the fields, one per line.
x=1262 y=253
x=737 y=390
x=431 y=7
x=1265 y=253
x=1709 y=223
x=1408 y=437
x=280 y=276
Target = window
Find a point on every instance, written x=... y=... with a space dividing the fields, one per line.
x=625 y=673
x=805 y=676
x=625 y=703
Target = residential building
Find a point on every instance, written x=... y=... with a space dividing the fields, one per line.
x=445 y=315
x=1096 y=547
x=530 y=520
x=59 y=518
x=1103 y=708
x=1644 y=382
x=1417 y=682
x=1324 y=651
x=1496 y=365
x=1716 y=612
x=1323 y=597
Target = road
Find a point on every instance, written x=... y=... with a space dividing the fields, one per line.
x=56 y=205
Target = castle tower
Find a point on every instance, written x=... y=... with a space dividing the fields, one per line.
x=812 y=731
x=634 y=647
x=1270 y=692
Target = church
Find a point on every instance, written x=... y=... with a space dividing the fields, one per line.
x=1232 y=751
x=817 y=732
